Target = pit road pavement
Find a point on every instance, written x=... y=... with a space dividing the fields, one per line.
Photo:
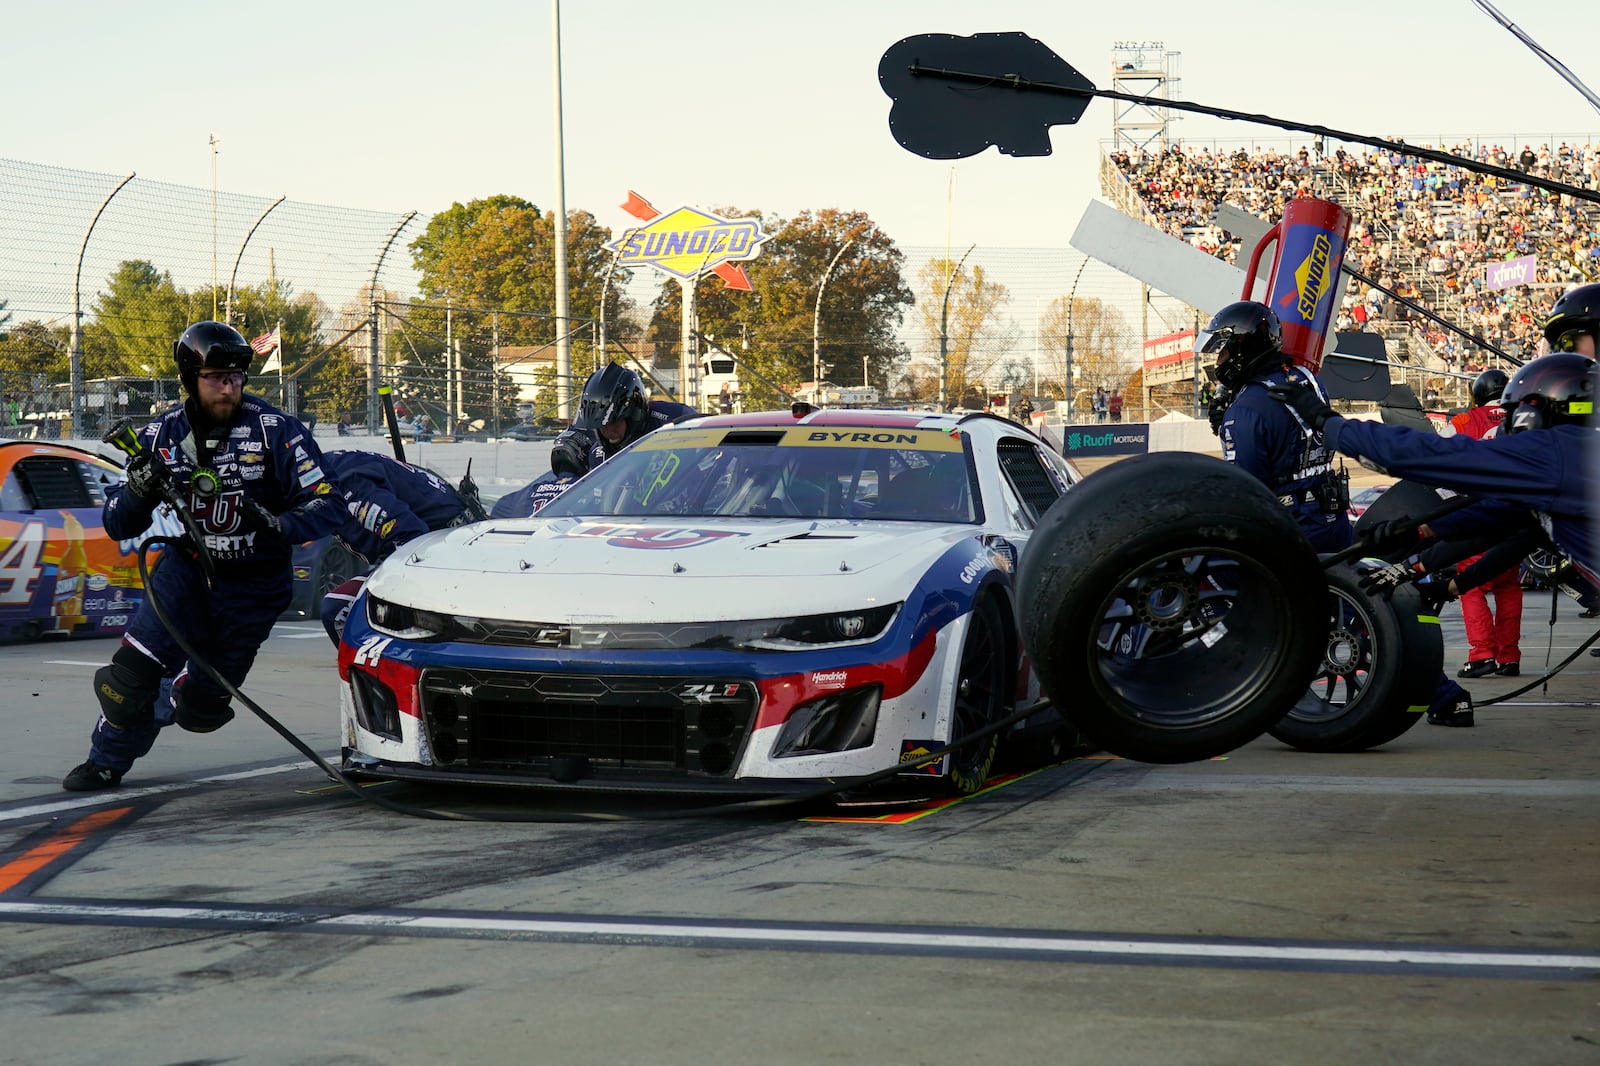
x=1430 y=902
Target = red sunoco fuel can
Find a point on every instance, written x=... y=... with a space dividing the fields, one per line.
x=1310 y=242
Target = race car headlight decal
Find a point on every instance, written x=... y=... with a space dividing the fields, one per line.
x=839 y=721
x=408 y=623
x=835 y=629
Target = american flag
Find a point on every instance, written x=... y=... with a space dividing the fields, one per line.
x=266 y=342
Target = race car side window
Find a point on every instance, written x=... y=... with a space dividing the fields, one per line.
x=51 y=481
x=1029 y=475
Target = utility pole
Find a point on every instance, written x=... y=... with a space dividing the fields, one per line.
x=944 y=332
x=214 y=142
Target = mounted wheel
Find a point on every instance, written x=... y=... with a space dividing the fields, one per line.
x=1172 y=608
x=986 y=675
x=335 y=567
x=1380 y=670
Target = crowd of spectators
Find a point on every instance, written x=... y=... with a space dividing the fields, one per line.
x=1429 y=231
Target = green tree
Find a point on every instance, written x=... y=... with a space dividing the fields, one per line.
x=488 y=279
x=134 y=320
x=338 y=386
x=776 y=329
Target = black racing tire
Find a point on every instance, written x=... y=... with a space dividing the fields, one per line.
x=986 y=675
x=1380 y=669
x=1172 y=608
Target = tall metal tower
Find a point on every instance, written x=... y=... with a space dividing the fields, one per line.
x=1147 y=70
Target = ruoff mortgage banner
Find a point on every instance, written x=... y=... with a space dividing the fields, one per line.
x=1511 y=272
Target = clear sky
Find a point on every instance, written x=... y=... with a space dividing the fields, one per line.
x=406 y=105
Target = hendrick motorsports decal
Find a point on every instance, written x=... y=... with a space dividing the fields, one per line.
x=652 y=536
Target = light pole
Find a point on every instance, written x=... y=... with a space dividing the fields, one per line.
x=1072 y=294
x=816 y=324
x=944 y=331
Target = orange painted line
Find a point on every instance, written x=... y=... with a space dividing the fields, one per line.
x=36 y=858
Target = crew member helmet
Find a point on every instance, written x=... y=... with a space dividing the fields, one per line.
x=1246 y=338
x=1577 y=313
x=612 y=393
x=1553 y=390
x=1487 y=387
x=210 y=346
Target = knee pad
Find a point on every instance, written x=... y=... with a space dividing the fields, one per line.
x=127 y=687
x=200 y=712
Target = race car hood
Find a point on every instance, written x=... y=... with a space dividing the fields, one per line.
x=611 y=571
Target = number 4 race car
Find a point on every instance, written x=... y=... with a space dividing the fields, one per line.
x=59 y=572
x=755 y=603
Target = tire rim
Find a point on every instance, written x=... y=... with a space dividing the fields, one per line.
x=1179 y=646
x=1347 y=662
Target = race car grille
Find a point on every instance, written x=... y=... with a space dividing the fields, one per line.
x=570 y=724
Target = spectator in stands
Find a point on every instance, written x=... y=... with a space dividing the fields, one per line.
x=1098 y=404
x=1114 y=405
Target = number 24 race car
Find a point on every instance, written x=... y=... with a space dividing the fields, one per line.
x=755 y=603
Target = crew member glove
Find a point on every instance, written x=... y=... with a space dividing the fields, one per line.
x=147 y=479
x=258 y=517
x=1312 y=408
x=570 y=454
x=1435 y=590
x=1385 y=579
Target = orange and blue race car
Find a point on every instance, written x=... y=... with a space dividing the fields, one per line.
x=59 y=571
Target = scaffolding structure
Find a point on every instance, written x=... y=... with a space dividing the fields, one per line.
x=1147 y=70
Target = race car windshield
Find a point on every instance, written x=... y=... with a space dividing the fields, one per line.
x=900 y=475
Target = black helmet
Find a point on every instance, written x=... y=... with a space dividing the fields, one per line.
x=1488 y=386
x=1576 y=313
x=1246 y=338
x=1553 y=390
x=210 y=346
x=609 y=394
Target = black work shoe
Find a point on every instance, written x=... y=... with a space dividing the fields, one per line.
x=91 y=778
x=1458 y=714
x=1509 y=670
x=1477 y=668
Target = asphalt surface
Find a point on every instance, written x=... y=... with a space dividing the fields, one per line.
x=1430 y=902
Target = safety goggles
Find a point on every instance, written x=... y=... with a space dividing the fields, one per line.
x=1568 y=341
x=224 y=378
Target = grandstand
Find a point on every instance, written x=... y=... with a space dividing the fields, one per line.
x=1426 y=230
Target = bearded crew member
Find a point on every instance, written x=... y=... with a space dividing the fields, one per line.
x=252 y=478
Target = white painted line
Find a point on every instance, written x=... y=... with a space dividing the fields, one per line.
x=107 y=798
x=74 y=662
x=1137 y=776
x=1109 y=947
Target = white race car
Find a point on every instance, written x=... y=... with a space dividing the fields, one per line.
x=748 y=603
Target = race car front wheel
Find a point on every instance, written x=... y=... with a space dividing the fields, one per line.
x=980 y=697
x=1172 y=608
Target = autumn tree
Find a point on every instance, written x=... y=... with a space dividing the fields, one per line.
x=960 y=314
x=1094 y=337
